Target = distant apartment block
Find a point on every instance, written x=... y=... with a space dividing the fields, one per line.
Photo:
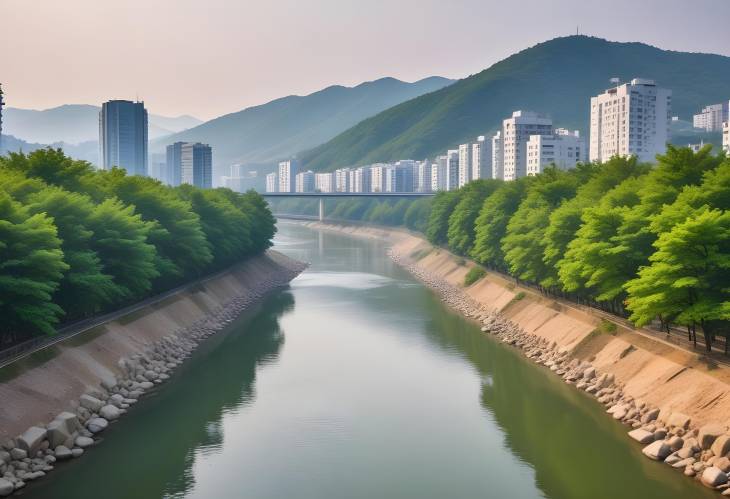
x=438 y=174
x=422 y=181
x=287 y=175
x=189 y=163
x=342 y=180
x=630 y=119
x=2 y=103
x=481 y=158
x=497 y=156
x=377 y=177
x=516 y=131
x=399 y=176
x=304 y=181
x=563 y=149
x=452 y=169
x=464 y=164
x=242 y=180
x=712 y=117
x=726 y=137
x=123 y=136
x=272 y=182
x=324 y=182
x=361 y=180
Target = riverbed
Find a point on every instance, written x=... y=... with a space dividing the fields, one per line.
x=356 y=382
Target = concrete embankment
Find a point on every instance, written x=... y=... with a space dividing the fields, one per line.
x=55 y=402
x=676 y=405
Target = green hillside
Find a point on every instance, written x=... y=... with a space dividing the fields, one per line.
x=285 y=126
x=557 y=77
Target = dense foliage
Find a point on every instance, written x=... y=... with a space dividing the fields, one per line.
x=75 y=242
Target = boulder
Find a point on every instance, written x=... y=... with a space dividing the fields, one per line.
x=109 y=412
x=57 y=433
x=91 y=403
x=658 y=451
x=721 y=445
x=30 y=441
x=642 y=436
x=6 y=487
x=4 y=457
x=96 y=425
x=675 y=443
x=678 y=419
x=713 y=477
x=63 y=452
x=723 y=463
x=708 y=434
x=84 y=442
x=18 y=454
x=650 y=416
x=76 y=452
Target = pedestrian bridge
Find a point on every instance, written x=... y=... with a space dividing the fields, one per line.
x=322 y=195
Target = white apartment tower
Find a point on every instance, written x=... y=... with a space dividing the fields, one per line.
x=438 y=174
x=304 y=181
x=481 y=158
x=423 y=179
x=726 y=137
x=272 y=184
x=630 y=120
x=287 y=175
x=342 y=180
x=516 y=131
x=323 y=182
x=377 y=177
x=564 y=149
x=452 y=169
x=464 y=164
x=712 y=118
x=497 y=156
x=361 y=179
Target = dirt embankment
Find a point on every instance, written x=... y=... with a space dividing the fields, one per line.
x=649 y=369
x=34 y=390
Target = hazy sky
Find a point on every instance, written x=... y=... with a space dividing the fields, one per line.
x=211 y=57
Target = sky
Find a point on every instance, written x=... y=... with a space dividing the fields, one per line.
x=212 y=57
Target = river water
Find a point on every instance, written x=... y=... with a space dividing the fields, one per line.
x=356 y=382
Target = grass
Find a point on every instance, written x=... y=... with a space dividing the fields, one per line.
x=606 y=327
x=474 y=274
x=421 y=253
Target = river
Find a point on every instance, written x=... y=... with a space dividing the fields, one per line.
x=356 y=382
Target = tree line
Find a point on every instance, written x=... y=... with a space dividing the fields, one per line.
x=76 y=241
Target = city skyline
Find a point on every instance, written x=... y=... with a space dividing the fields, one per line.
x=267 y=47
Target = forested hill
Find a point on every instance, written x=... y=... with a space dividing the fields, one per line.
x=556 y=77
x=285 y=126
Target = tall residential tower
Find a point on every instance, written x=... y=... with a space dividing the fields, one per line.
x=123 y=136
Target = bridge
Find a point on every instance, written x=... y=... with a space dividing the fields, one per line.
x=322 y=195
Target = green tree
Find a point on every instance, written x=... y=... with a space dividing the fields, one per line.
x=461 y=221
x=689 y=275
x=31 y=267
x=438 y=222
x=417 y=215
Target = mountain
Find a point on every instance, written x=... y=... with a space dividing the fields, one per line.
x=77 y=123
x=87 y=151
x=557 y=77
x=284 y=126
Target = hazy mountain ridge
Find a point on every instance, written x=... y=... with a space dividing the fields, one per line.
x=77 y=123
x=556 y=77
x=284 y=126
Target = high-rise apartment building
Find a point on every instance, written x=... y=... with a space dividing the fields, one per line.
x=726 y=137
x=304 y=181
x=189 y=163
x=438 y=174
x=272 y=182
x=123 y=136
x=464 y=164
x=712 y=117
x=399 y=176
x=516 y=131
x=324 y=182
x=287 y=175
x=377 y=177
x=497 y=156
x=481 y=158
x=422 y=181
x=563 y=149
x=630 y=120
x=2 y=103
x=342 y=180
x=362 y=179
x=452 y=169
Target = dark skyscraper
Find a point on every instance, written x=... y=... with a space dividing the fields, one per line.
x=189 y=163
x=123 y=136
x=2 y=103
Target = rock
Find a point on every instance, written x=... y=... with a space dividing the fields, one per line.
x=708 y=434
x=6 y=487
x=660 y=433
x=684 y=463
x=650 y=416
x=97 y=425
x=18 y=454
x=76 y=452
x=721 y=445
x=673 y=459
x=84 y=442
x=62 y=452
x=30 y=441
x=685 y=452
x=722 y=463
x=678 y=419
x=4 y=457
x=726 y=492
x=675 y=443
x=57 y=433
x=146 y=385
x=91 y=403
x=642 y=436
x=109 y=412
x=713 y=477
x=658 y=451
